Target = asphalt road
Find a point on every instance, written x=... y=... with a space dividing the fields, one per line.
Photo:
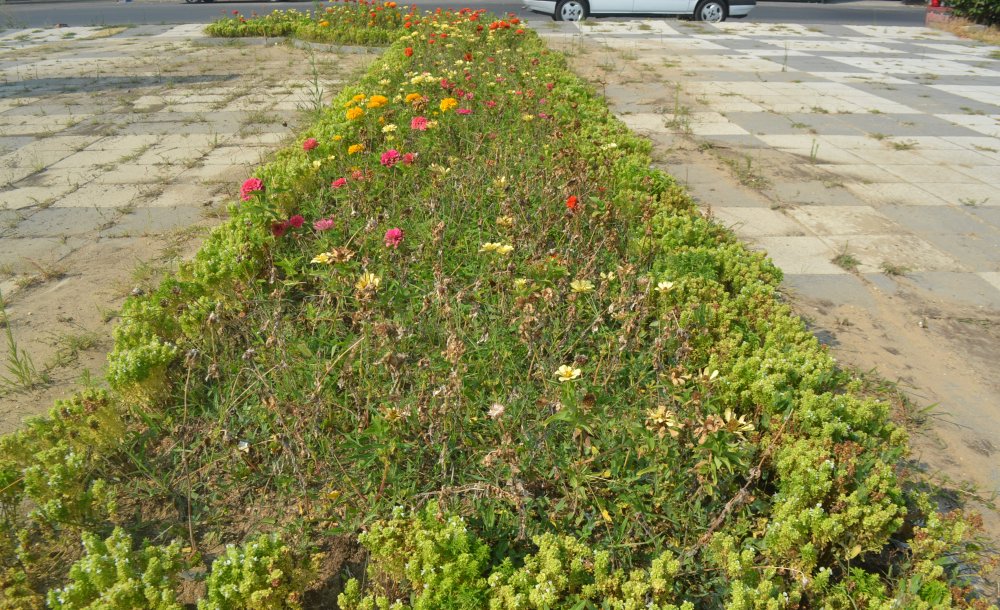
x=109 y=12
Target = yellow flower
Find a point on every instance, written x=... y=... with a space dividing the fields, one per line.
x=609 y=276
x=664 y=286
x=355 y=148
x=389 y=128
x=567 y=373
x=377 y=101
x=582 y=286
x=528 y=117
x=413 y=97
x=368 y=282
x=324 y=24
x=338 y=138
x=323 y=258
x=359 y=97
x=498 y=247
x=448 y=103
x=354 y=113
x=520 y=283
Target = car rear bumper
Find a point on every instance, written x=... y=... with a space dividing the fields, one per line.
x=540 y=6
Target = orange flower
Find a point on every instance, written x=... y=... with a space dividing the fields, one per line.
x=354 y=113
x=408 y=51
x=572 y=203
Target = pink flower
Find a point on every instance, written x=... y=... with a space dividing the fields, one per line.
x=310 y=144
x=390 y=157
x=393 y=237
x=358 y=175
x=323 y=224
x=491 y=104
x=296 y=221
x=339 y=183
x=419 y=123
x=409 y=158
x=252 y=185
x=464 y=111
x=542 y=115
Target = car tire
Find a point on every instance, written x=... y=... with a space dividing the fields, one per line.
x=712 y=11
x=570 y=10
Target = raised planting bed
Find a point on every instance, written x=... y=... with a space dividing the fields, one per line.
x=462 y=335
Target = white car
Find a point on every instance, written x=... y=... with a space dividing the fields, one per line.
x=701 y=10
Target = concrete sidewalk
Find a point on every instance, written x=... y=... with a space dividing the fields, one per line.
x=866 y=162
x=118 y=147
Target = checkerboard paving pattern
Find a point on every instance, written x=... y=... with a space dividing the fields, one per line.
x=904 y=121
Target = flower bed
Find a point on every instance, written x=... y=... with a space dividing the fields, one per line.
x=339 y=21
x=465 y=318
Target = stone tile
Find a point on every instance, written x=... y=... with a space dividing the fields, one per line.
x=990 y=174
x=992 y=277
x=800 y=255
x=843 y=220
x=756 y=222
x=964 y=288
x=55 y=222
x=30 y=196
x=103 y=196
x=131 y=173
x=859 y=173
x=921 y=174
x=894 y=193
x=904 y=251
x=147 y=221
x=23 y=254
x=965 y=193
x=839 y=288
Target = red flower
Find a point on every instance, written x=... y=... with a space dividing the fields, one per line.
x=409 y=158
x=390 y=157
x=339 y=183
x=408 y=51
x=296 y=221
x=310 y=144
x=572 y=203
x=393 y=237
x=278 y=228
x=250 y=186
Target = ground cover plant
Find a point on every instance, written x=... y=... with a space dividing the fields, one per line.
x=337 y=21
x=460 y=347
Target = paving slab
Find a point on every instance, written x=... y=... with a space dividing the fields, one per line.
x=115 y=153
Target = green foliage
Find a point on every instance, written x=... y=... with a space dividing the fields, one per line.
x=262 y=574
x=114 y=577
x=434 y=561
x=347 y=22
x=986 y=12
x=559 y=348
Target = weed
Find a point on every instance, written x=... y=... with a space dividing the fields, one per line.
x=845 y=260
x=903 y=144
x=21 y=373
x=893 y=269
x=745 y=173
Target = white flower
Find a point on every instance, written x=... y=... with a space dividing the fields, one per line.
x=567 y=373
